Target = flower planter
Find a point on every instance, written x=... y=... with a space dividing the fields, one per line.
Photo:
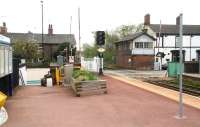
x=90 y=86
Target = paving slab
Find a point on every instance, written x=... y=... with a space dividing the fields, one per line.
x=123 y=106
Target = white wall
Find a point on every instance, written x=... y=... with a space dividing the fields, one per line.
x=143 y=51
x=170 y=41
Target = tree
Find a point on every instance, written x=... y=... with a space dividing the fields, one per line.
x=124 y=30
x=89 y=51
x=61 y=50
x=139 y=27
x=25 y=49
x=110 y=53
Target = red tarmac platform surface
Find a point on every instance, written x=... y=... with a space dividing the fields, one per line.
x=123 y=106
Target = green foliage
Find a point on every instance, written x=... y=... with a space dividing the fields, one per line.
x=63 y=45
x=25 y=49
x=110 y=53
x=89 y=51
x=61 y=50
x=82 y=75
x=124 y=30
x=37 y=65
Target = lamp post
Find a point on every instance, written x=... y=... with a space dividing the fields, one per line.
x=179 y=21
x=42 y=30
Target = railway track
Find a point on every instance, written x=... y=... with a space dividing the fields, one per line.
x=186 y=88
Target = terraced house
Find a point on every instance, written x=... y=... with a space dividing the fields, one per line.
x=140 y=50
x=50 y=43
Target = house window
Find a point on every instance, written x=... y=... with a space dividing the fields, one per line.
x=138 y=44
x=127 y=45
x=148 y=44
x=143 y=44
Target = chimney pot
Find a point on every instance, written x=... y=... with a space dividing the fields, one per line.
x=3 y=29
x=50 y=30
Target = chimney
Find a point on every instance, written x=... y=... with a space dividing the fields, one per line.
x=147 y=19
x=3 y=29
x=4 y=24
x=178 y=20
x=50 y=30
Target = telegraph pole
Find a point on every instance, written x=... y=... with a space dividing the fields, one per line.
x=79 y=33
x=70 y=32
x=42 y=30
x=70 y=27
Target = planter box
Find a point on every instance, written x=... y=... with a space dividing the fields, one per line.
x=91 y=86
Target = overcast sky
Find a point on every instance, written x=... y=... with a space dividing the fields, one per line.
x=25 y=15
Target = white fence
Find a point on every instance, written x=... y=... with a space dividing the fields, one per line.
x=91 y=64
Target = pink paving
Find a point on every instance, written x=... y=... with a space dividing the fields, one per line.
x=123 y=106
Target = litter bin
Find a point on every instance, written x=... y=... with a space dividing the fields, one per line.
x=68 y=70
x=53 y=70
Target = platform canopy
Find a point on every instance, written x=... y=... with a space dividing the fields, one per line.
x=4 y=40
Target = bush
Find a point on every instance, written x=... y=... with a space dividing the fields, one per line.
x=82 y=75
x=37 y=65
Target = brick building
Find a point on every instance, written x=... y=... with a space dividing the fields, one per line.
x=51 y=40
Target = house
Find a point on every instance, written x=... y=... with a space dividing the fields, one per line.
x=164 y=38
x=136 y=51
x=167 y=39
x=50 y=43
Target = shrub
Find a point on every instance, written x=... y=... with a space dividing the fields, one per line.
x=37 y=65
x=82 y=75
